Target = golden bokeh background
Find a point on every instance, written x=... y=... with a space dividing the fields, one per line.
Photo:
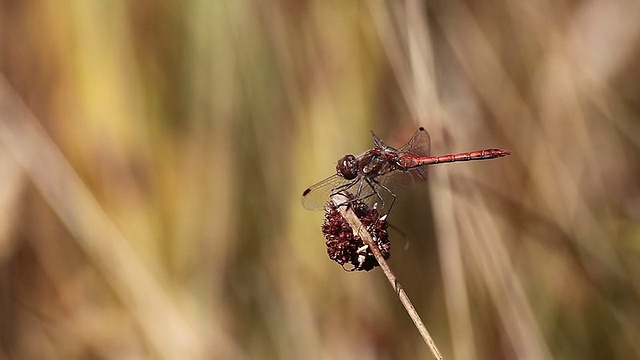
x=152 y=157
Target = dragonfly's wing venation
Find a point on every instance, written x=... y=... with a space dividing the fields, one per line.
x=419 y=144
x=317 y=196
x=376 y=140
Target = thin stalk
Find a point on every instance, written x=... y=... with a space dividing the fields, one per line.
x=361 y=231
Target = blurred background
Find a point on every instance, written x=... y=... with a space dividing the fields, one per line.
x=153 y=154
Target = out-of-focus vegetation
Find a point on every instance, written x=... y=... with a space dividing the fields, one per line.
x=152 y=157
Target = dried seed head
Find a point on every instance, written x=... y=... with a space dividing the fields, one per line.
x=348 y=249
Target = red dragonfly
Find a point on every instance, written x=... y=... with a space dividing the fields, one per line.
x=374 y=175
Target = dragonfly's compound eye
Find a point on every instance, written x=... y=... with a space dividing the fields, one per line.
x=348 y=167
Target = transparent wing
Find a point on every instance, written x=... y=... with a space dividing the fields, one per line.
x=316 y=197
x=419 y=144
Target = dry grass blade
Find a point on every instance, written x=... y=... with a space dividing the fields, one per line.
x=169 y=334
x=361 y=231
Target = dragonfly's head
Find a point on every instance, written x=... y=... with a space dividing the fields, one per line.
x=347 y=167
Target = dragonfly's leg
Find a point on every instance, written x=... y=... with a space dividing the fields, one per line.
x=374 y=181
x=369 y=195
x=345 y=187
x=358 y=194
x=372 y=184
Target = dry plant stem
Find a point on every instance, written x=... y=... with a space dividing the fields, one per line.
x=361 y=231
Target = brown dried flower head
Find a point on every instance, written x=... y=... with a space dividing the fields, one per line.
x=348 y=249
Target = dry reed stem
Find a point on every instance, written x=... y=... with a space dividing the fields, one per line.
x=360 y=230
x=169 y=334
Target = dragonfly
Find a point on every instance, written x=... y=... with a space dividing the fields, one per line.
x=375 y=175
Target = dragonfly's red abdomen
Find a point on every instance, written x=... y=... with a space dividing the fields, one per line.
x=409 y=161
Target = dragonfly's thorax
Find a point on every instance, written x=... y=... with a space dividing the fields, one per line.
x=372 y=163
